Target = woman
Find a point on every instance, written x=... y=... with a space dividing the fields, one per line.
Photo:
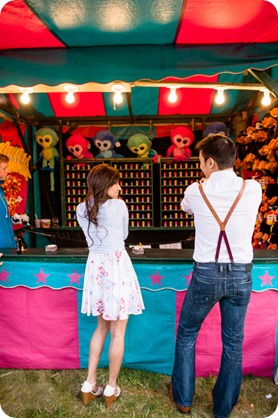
x=111 y=290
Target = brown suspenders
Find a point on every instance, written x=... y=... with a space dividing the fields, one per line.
x=222 y=225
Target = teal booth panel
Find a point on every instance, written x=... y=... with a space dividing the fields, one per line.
x=150 y=337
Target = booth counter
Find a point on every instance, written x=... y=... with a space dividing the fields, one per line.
x=41 y=325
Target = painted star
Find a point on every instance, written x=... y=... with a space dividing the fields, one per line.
x=188 y=278
x=74 y=277
x=41 y=276
x=156 y=278
x=266 y=279
x=4 y=275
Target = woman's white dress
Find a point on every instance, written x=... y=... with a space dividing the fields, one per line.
x=111 y=287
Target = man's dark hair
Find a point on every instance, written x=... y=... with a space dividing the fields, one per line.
x=220 y=148
x=4 y=158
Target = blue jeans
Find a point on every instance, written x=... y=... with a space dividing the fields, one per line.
x=230 y=285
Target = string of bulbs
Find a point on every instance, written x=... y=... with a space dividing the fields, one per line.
x=119 y=89
x=220 y=96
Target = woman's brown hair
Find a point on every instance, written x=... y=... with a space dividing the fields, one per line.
x=100 y=178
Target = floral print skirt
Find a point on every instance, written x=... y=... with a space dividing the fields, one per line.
x=111 y=287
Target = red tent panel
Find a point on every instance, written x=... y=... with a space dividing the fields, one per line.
x=86 y=104
x=226 y=21
x=20 y=28
x=189 y=101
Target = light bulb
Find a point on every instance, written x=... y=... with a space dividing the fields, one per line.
x=220 y=98
x=118 y=89
x=118 y=97
x=266 y=100
x=25 y=98
x=172 y=95
x=70 y=89
x=70 y=97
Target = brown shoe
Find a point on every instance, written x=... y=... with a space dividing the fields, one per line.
x=183 y=409
x=87 y=392
x=110 y=395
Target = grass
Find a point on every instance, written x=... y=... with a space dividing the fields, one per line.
x=56 y=394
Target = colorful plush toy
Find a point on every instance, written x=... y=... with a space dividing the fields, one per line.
x=216 y=128
x=105 y=141
x=47 y=139
x=140 y=144
x=265 y=232
x=181 y=138
x=79 y=147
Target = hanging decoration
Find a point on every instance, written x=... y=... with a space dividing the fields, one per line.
x=47 y=138
x=18 y=159
x=15 y=184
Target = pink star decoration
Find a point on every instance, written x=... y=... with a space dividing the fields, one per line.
x=74 y=277
x=41 y=276
x=4 y=275
x=266 y=279
x=156 y=278
x=188 y=278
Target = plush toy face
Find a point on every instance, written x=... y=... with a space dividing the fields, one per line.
x=76 y=150
x=77 y=145
x=180 y=141
x=140 y=150
x=182 y=137
x=103 y=145
x=105 y=141
x=46 y=138
x=139 y=144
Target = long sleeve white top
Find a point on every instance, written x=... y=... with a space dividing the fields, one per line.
x=221 y=189
x=112 y=227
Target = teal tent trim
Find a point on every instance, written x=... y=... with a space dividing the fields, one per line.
x=130 y=63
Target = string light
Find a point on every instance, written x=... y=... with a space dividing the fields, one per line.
x=118 y=97
x=220 y=98
x=70 y=89
x=173 y=95
x=25 y=98
x=266 y=100
x=118 y=89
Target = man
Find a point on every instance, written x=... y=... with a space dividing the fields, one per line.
x=7 y=239
x=221 y=272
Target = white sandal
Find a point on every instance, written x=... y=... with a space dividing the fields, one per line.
x=87 y=392
x=111 y=394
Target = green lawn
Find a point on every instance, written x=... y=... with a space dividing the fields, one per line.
x=56 y=393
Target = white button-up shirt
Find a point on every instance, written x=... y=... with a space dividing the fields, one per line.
x=221 y=189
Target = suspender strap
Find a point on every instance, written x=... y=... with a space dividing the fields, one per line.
x=223 y=234
x=223 y=224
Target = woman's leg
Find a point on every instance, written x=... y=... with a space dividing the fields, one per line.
x=96 y=347
x=116 y=349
